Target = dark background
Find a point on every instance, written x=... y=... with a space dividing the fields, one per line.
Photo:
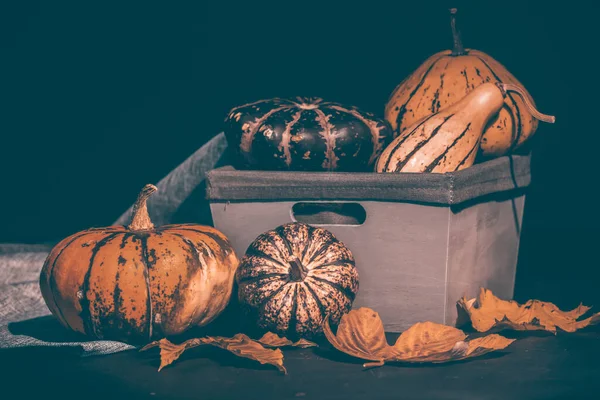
x=100 y=98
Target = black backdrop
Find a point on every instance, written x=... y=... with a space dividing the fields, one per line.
x=99 y=98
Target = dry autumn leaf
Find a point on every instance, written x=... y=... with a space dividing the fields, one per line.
x=361 y=334
x=488 y=312
x=240 y=345
x=270 y=339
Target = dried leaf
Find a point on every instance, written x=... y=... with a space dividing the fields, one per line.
x=243 y=346
x=240 y=345
x=488 y=312
x=270 y=339
x=170 y=352
x=361 y=334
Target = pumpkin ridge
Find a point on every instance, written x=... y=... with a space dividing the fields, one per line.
x=309 y=231
x=517 y=125
x=286 y=137
x=272 y=242
x=280 y=101
x=324 y=247
x=347 y=292
x=339 y=263
x=192 y=248
x=52 y=279
x=86 y=313
x=248 y=137
x=330 y=157
x=292 y=325
x=199 y=266
x=340 y=304
x=436 y=161
x=402 y=110
x=281 y=232
x=223 y=244
x=146 y=261
x=401 y=142
x=261 y=254
x=284 y=285
x=318 y=302
x=283 y=300
x=372 y=125
x=255 y=279
x=422 y=143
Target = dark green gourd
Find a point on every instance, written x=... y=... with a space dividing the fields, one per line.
x=305 y=135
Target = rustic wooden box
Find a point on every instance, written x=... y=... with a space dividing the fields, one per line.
x=421 y=241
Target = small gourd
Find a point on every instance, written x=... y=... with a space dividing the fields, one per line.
x=294 y=276
x=448 y=140
x=445 y=78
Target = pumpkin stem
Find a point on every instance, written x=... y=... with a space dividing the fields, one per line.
x=141 y=220
x=298 y=270
x=458 y=49
x=505 y=87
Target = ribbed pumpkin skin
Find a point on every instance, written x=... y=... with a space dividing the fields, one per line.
x=444 y=79
x=136 y=286
x=296 y=308
x=305 y=135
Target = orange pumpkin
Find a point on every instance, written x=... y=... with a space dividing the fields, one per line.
x=139 y=282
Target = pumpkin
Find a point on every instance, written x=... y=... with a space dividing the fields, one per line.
x=448 y=140
x=294 y=276
x=139 y=282
x=444 y=79
x=304 y=135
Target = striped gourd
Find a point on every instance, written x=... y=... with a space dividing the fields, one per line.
x=138 y=283
x=305 y=135
x=448 y=140
x=445 y=78
x=292 y=277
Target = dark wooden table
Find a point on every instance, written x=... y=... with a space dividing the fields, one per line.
x=536 y=366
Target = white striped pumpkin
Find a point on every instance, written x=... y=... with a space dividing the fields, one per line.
x=294 y=276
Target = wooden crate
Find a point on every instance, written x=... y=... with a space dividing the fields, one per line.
x=421 y=241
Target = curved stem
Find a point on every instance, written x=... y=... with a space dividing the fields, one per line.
x=458 y=49
x=141 y=220
x=536 y=114
x=298 y=270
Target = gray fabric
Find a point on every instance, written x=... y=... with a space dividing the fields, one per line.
x=498 y=175
x=26 y=321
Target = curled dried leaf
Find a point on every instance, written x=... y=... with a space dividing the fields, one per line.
x=240 y=345
x=270 y=339
x=361 y=334
x=487 y=312
x=243 y=346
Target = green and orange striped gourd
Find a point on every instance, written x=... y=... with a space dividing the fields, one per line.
x=448 y=140
x=445 y=78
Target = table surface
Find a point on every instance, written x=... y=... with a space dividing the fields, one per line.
x=536 y=366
